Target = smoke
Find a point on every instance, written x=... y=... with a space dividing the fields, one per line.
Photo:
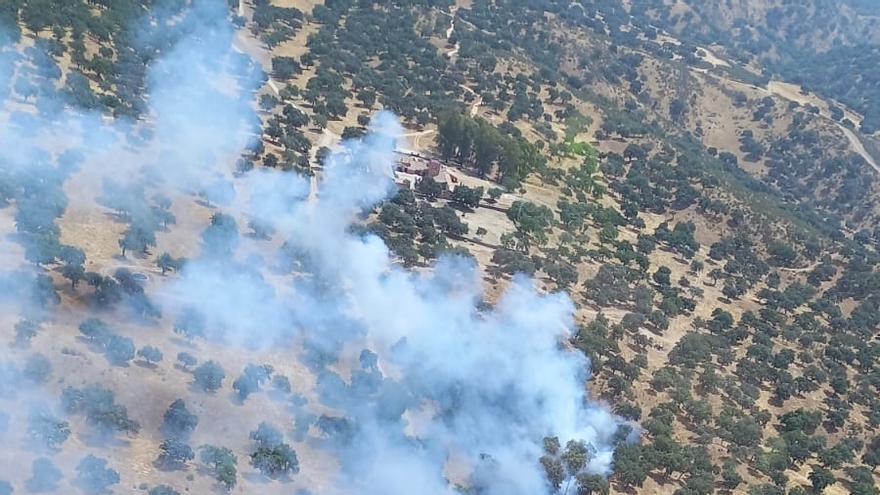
x=418 y=383
x=485 y=382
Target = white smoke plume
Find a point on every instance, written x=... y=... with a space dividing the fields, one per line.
x=418 y=384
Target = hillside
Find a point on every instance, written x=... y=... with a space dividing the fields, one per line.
x=293 y=246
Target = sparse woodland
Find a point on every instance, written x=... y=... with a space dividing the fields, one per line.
x=717 y=236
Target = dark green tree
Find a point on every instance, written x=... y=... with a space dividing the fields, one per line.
x=46 y=428
x=150 y=354
x=178 y=421
x=120 y=350
x=44 y=476
x=531 y=221
x=209 y=376
x=821 y=478
x=174 y=454
x=222 y=463
x=94 y=476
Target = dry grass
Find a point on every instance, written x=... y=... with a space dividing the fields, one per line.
x=148 y=391
x=303 y=5
x=89 y=226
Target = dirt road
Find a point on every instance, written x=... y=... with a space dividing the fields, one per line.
x=859 y=148
x=794 y=93
x=451 y=30
x=475 y=106
x=791 y=92
x=415 y=137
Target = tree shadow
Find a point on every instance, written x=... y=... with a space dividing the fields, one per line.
x=116 y=362
x=195 y=388
x=237 y=399
x=661 y=478
x=257 y=236
x=97 y=437
x=256 y=477
x=169 y=467
x=182 y=368
x=188 y=344
x=145 y=364
x=628 y=490
x=117 y=217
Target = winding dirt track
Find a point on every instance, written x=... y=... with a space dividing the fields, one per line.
x=800 y=270
x=859 y=148
x=784 y=91
x=449 y=32
x=791 y=92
